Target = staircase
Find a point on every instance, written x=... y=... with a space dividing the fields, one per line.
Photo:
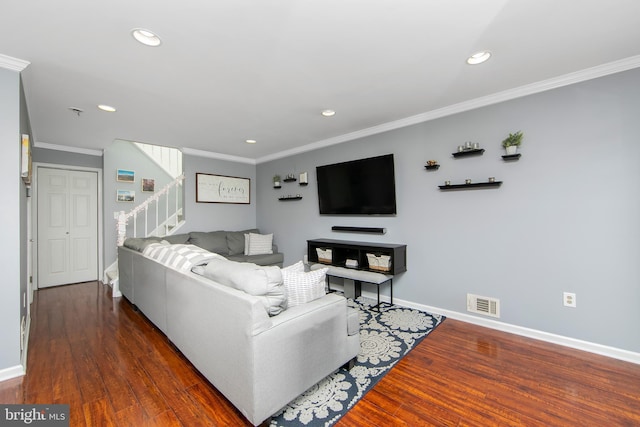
x=159 y=215
x=169 y=159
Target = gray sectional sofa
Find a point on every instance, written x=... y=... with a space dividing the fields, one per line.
x=229 y=244
x=259 y=362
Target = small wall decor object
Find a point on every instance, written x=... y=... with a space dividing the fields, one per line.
x=512 y=142
x=222 y=189
x=25 y=167
x=304 y=178
x=126 y=196
x=276 y=181
x=492 y=179
x=148 y=184
x=289 y=178
x=467 y=181
x=123 y=175
x=432 y=164
x=447 y=183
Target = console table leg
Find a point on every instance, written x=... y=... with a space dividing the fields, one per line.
x=352 y=292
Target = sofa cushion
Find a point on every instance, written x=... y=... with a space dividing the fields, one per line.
x=139 y=243
x=177 y=239
x=262 y=282
x=213 y=241
x=235 y=240
x=266 y=259
x=259 y=244
x=303 y=287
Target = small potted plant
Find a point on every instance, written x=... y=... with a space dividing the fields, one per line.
x=276 y=181
x=512 y=142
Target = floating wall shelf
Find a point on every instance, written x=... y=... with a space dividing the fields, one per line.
x=470 y=186
x=289 y=198
x=508 y=157
x=472 y=152
x=432 y=167
x=289 y=180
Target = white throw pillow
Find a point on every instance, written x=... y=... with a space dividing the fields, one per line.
x=303 y=287
x=259 y=244
x=246 y=244
x=297 y=267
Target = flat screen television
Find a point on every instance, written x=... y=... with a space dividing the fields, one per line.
x=358 y=187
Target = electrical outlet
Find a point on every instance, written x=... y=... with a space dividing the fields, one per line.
x=569 y=299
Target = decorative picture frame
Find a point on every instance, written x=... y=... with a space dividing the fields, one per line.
x=123 y=175
x=212 y=188
x=148 y=185
x=125 y=196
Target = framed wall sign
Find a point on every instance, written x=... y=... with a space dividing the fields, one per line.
x=222 y=189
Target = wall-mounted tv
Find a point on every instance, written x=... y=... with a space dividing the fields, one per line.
x=358 y=187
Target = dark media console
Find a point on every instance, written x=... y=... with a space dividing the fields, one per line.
x=342 y=250
x=374 y=263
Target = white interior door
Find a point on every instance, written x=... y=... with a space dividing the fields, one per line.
x=67 y=226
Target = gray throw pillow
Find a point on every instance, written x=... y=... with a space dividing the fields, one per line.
x=235 y=241
x=139 y=243
x=177 y=239
x=213 y=241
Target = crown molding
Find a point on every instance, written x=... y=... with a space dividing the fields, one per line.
x=218 y=156
x=68 y=148
x=507 y=95
x=11 y=63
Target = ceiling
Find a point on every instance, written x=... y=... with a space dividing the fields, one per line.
x=233 y=70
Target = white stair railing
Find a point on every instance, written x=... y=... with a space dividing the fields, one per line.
x=171 y=219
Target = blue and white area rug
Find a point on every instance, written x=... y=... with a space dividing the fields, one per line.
x=385 y=338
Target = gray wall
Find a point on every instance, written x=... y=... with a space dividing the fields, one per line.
x=25 y=128
x=199 y=216
x=57 y=157
x=125 y=155
x=10 y=216
x=565 y=218
x=217 y=216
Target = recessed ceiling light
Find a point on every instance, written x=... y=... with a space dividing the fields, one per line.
x=146 y=37
x=107 y=108
x=250 y=141
x=328 y=113
x=479 y=57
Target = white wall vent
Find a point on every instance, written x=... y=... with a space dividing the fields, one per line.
x=483 y=305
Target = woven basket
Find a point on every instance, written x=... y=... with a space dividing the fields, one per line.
x=379 y=262
x=324 y=255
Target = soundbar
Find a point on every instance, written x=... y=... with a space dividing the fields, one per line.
x=374 y=230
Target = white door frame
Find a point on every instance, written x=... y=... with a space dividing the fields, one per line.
x=34 y=215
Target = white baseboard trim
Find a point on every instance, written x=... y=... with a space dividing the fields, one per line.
x=13 y=372
x=603 y=350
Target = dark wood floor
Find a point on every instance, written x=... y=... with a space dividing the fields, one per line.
x=114 y=368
